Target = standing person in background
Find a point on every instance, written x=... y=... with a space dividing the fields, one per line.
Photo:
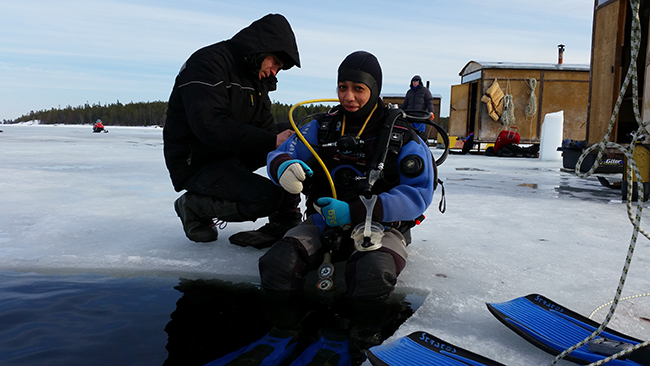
x=219 y=129
x=418 y=97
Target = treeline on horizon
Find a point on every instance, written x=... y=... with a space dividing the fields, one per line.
x=139 y=114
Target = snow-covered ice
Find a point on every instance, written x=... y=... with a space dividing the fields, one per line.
x=73 y=201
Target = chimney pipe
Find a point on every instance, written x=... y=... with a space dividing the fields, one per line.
x=560 y=54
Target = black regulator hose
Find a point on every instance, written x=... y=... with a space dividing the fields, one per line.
x=424 y=117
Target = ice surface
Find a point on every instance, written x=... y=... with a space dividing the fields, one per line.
x=73 y=201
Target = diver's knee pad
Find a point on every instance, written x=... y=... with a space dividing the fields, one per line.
x=284 y=265
x=370 y=275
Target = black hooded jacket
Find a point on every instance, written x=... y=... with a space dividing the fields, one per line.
x=219 y=109
x=419 y=98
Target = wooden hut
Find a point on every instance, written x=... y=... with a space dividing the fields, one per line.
x=610 y=60
x=611 y=57
x=535 y=90
x=399 y=99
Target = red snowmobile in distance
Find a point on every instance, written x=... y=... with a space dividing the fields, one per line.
x=99 y=126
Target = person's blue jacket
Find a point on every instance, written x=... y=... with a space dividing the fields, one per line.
x=404 y=193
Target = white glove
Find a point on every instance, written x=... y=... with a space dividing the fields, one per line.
x=292 y=173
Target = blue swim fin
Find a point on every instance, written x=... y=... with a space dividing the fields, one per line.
x=422 y=348
x=275 y=347
x=329 y=350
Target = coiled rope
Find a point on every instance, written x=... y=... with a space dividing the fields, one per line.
x=508 y=114
x=531 y=105
x=635 y=219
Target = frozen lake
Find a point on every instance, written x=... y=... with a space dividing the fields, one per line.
x=77 y=202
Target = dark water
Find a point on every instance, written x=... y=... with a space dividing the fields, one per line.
x=98 y=320
x=84 y=319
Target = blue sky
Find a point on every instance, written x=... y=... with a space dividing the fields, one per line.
x=59 y=53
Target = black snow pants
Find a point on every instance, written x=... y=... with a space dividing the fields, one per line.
x=256 y=196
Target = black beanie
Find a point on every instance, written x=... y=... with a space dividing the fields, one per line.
x=362 y=67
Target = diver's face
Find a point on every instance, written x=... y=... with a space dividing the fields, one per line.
x=353 y=96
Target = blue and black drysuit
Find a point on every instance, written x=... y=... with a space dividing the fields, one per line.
x=404 y=193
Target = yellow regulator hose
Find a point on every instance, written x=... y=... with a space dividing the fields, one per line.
x=304 y=141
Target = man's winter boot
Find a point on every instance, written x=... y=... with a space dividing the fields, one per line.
x=268 y=234
x=201 y=230
x=213 y=207
x=272 y=349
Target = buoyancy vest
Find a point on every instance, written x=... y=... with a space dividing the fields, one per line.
x=349 y=171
